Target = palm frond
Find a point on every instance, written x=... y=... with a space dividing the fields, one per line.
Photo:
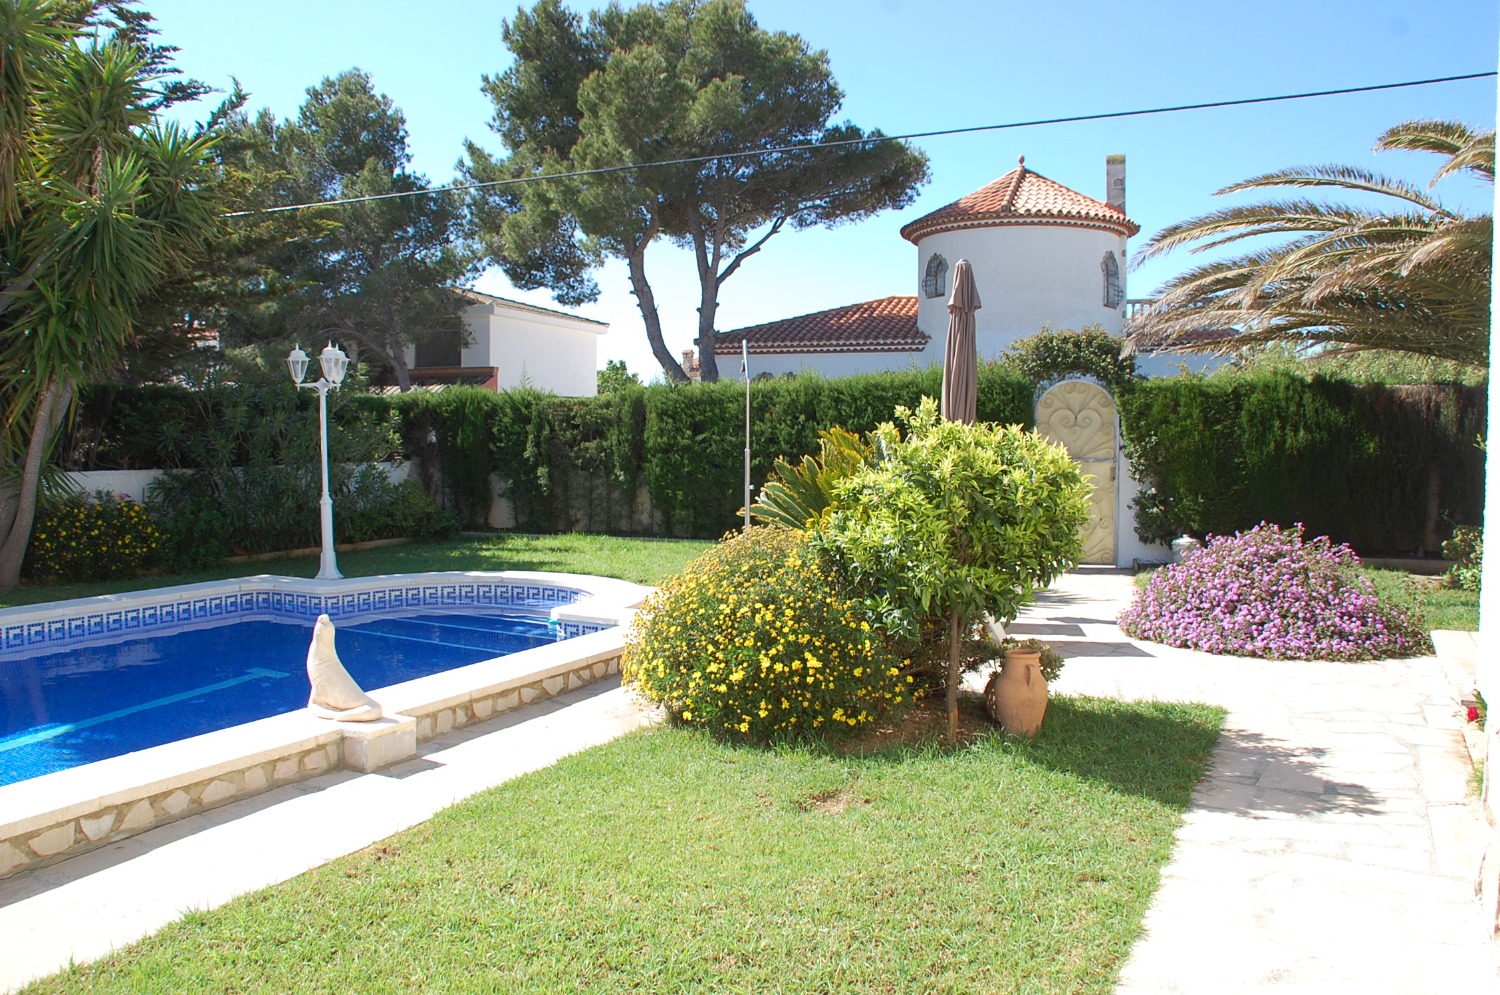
x=1404 y=279
x=1467 y=150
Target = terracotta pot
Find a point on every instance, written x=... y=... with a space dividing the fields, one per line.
x=1016 y=697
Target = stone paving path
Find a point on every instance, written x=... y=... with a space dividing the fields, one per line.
x=1332 y=847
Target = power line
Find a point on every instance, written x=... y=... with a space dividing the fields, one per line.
x=806 y=146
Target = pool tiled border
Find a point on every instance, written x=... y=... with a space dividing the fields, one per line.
x=66 y=624
x=49 y=818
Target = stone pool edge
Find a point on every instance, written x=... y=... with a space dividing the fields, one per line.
x=56 y=816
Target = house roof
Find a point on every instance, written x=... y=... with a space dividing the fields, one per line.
x=888 y=324
x=1021 y=197
x=478 y=297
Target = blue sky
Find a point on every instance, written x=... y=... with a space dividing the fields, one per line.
x=909 y=66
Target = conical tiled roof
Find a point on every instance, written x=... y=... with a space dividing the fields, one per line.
x=1021 y=197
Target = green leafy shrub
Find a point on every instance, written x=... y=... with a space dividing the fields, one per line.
x=954 y=521
x=382 y=510
x=194 y=533
x=1466 y=548
x=252 y=453
x=84 y=538
x=1049 y=356
x=756 y=639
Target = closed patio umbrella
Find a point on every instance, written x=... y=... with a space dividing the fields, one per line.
x=960 y=364
x=959 y=403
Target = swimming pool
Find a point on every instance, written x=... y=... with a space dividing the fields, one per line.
x=55 y=815
x=78 y=706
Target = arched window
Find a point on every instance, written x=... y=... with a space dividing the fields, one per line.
x=935 y=282
x=1114 y=294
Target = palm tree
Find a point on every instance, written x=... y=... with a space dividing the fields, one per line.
x=99 y=204
x=1412 y=278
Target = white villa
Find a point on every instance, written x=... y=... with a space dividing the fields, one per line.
x=511 y=344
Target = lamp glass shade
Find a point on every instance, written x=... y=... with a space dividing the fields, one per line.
x=335 y=364
x=296 y=361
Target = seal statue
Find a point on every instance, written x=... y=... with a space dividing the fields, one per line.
x=334 y=693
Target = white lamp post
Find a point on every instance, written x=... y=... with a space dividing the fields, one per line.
x=335 y=364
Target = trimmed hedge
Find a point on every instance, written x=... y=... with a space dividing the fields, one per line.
x=1385 y=469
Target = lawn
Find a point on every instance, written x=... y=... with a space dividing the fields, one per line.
x=668 y=862
x=644 y=561
x=1442 y=607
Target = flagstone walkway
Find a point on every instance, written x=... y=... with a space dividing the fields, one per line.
x=1332 y=847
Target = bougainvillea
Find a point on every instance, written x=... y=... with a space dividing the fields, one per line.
x=1270 y=593
x=755 y=639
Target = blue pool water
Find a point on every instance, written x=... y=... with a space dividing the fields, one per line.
x=78 y=706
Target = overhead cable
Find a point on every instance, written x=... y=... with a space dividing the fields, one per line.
x=807 y=146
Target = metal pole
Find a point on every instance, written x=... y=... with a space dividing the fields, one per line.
x=745 y=369
x=328 y=568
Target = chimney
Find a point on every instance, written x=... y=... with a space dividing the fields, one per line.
x=1114 y=182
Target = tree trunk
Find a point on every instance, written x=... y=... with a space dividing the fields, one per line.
x=403 y=374
x=50 y=409
x=708 y=298
x=953 y=634
x=646 y=301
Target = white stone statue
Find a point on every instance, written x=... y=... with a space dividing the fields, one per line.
x=334 y=693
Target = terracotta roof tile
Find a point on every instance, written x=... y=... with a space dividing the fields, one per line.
x=1021 y=196
x=888 y=324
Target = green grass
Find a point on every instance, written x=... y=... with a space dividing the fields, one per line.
x=1441 y=607
x=668 y=862
x=644 y=561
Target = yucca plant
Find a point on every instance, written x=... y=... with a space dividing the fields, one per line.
x=1412 y=277
x=798 y=496
x=100 y=203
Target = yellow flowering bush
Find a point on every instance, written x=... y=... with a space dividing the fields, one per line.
x=756 y=639
x=92 y=538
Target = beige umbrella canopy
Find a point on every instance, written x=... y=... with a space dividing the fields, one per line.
x=960 y=363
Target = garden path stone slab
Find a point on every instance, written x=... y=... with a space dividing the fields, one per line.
x=1332 y=846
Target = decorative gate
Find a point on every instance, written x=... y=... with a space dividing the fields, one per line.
x=1081 y=416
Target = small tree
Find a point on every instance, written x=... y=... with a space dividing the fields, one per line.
x=616 y=376
x=380 y=271
x=955 y=521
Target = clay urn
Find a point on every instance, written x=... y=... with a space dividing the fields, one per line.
x=1016 y=696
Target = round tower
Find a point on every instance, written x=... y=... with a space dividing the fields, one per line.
x=1042 y=255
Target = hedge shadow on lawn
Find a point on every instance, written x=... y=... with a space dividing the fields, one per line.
x=1152 y=749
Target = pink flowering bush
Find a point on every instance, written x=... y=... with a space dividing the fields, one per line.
x=1269 y=593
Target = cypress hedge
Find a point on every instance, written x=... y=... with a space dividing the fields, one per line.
x=1387 y=469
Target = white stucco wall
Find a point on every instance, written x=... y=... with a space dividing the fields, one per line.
x=136 y=484
x=548 y=352
x=553 y=352
x=542 y=351
x=1028 y=276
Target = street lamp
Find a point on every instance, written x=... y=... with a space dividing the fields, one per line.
x=335 y=364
